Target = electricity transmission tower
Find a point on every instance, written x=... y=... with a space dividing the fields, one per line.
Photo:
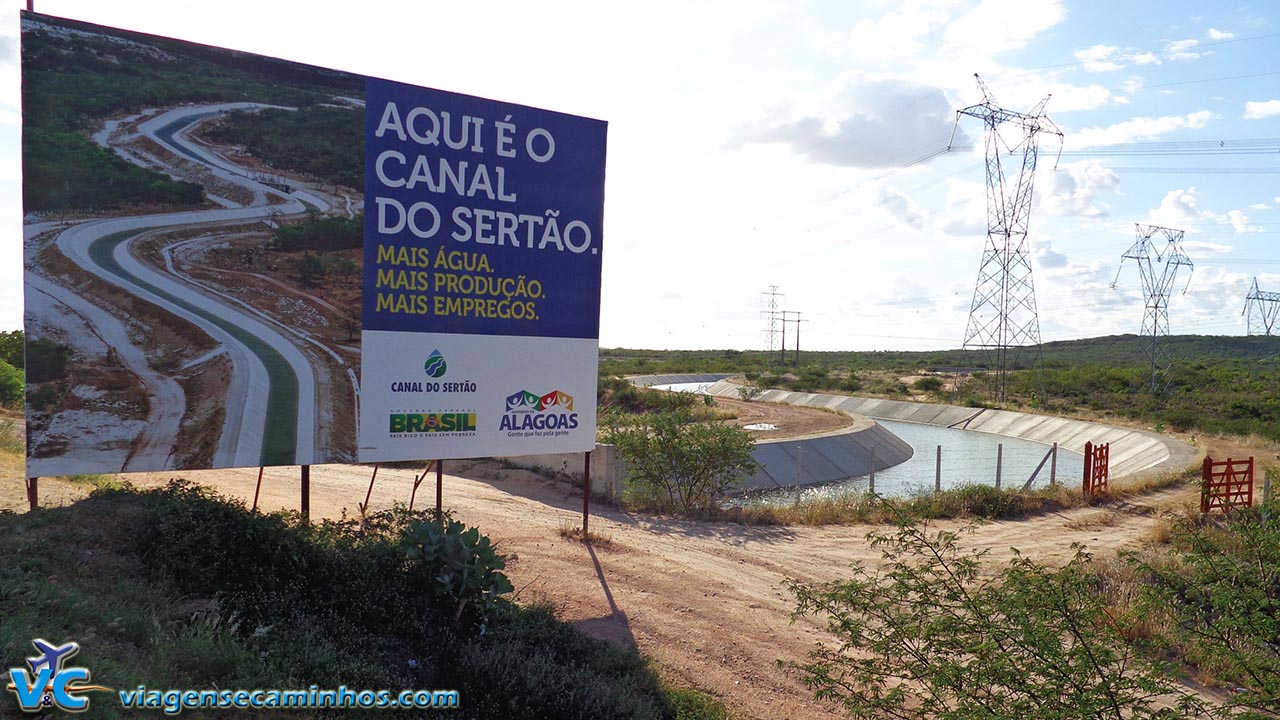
x=1262 y=308
x=771 y=319
x=1003 y=318
x=1158 y=265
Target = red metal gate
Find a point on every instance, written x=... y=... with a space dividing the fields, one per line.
x=1226 y=484
x=1097 y=467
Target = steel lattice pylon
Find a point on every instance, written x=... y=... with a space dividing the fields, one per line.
x=1156 y=285
x=1003 y=319
x=1262 y=309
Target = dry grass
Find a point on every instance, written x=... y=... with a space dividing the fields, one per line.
x=1093 y=521
x=572 y=531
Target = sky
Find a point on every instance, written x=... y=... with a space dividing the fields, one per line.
x=804 y=145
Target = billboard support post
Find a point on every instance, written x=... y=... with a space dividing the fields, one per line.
x=306 y=493
x=257 y=488
x=439 y=488
x=364 y=508
x=586 y=493
x=417 y=480
x=33 y=492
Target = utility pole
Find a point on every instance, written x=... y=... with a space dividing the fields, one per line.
x=771 y=317
x=797 y=321
x=1262 y=309
x=1003 y=317
x=1156 y=284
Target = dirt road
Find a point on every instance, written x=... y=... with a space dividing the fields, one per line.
x=705 y=600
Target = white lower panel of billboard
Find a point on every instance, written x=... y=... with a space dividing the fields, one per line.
x=427 y=396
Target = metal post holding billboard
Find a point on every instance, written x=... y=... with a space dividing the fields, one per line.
x=306 y=493
x=257 y=488
x=439 y=489
x=586 y=493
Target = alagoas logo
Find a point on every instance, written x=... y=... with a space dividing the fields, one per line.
x=532 y=414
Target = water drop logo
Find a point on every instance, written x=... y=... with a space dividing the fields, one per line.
x=435 y=365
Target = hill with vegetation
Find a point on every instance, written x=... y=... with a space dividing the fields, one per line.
x=1219 y=384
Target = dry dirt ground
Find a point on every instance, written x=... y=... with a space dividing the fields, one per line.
x=790 y=420
x=705 y=600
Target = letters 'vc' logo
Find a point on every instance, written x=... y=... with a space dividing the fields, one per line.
x=51 y=683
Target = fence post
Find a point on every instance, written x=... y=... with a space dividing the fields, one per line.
x=999 y=462
x=1053 y=466
x=871 y=488
x=1206 y=472
x=937 y=473
x=1266 y=496
x=33 y=490
x=1088 y=467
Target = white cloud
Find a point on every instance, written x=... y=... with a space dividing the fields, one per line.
x=1239 y=222
x=1139 y=128
x=1182 y=50
x=1074 y=189
x=862 y=122
x=1257 y=110
x=1216 y=34
x=1200 y=250
x=1259 y=206
x=1178 y=210
x=1107 y=58
x=893 y=202
x=999 y=25
x=896 y=35
x=1046 y=257
x=1099 y=58
x=1132 y=85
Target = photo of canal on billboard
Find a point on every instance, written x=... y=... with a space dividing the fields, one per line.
x=483 y=244
x=193 y=242
x=203 y=248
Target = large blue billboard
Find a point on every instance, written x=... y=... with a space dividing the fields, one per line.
x=482 y=250
x=482 y=217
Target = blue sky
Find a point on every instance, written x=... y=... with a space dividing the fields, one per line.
x=756 y=143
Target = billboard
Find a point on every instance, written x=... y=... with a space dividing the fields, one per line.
x=213 y=240
x=481 y=275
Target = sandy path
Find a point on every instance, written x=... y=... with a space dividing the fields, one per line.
x=706 y=601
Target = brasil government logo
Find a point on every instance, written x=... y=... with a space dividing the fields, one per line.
x=50 y=684
x=527 y=411
x=431 y=423
x=435 y=365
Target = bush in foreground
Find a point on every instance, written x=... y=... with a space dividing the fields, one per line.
x=179 y=588
x=931 y=635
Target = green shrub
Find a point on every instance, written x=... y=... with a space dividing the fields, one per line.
x=932 y=635
x=461 y=568
x=675 y=463
x=528 y=665
x=12 y=385
x=1219 y=600
x=928 y=384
